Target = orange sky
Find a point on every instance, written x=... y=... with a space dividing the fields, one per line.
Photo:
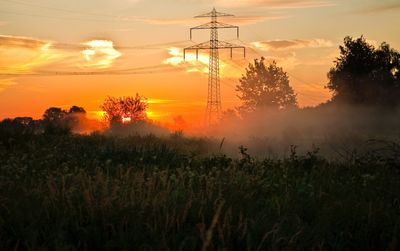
x=145 y=38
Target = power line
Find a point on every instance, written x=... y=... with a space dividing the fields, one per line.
x=82 y=46
x=57 y=9
x=122 y=47
x=304 y=82
x=312 y=85
x=132 y=71
x=52 y=17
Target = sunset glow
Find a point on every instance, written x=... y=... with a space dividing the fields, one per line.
x=142 y=53
x=199 y=124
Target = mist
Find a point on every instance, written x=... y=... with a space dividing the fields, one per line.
x=335 y=131
x=137 y=128
x=84 y=125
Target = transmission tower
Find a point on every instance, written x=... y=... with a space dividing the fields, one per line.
x=213 y=111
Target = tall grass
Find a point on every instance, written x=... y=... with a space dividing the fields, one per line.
x=146 y=193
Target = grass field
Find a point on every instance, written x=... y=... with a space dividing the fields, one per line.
x=146 y=193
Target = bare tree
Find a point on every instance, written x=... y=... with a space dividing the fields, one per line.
x=125 y=109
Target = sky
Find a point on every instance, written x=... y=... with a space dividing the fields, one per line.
x=137 y=45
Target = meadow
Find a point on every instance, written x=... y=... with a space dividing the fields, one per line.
x=102 y=192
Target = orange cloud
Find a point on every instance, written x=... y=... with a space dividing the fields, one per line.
x=245 y=20
x=100 y=54
x=228 y=67
x=240 y=20
x=18 y=41
x=277 y=4
x=276 y=45
x=191 y=64
x=4 y=83
x=23 y=54
x=381 y=7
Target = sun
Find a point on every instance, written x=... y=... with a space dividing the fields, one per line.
x=126 y=120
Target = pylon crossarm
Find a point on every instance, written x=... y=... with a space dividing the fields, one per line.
x=223 y=44
x=215 y=25
x=207 y=46
x=197 y=47
x=214 y=14
x=219 y=45
x=204 y=45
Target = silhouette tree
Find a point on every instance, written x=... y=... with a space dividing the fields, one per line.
x=125 y=109
x=265 y=87
x=54 y=114
x=76 y=117
x=55 y=121
x=22 y=126
x=365 y=75
x=77 y=109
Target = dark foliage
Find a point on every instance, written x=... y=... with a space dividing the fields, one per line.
x=366 y=75
x=77 y=110
x=265 y=87
x=55 y=121
x=95 y=192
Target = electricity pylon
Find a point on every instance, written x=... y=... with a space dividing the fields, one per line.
x=213 y=111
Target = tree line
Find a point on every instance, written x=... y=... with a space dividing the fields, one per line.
x=361 y=75
x=54 y=120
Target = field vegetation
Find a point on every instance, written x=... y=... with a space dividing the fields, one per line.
x=136 y=186
x=96 y=192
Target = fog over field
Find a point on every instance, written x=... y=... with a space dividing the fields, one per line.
x=334 y=129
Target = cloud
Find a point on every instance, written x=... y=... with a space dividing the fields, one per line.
x=19 y=55
x=244 y=20
x=277 y=45
x=23 y=54
x=6 y=82
x=288 y=53
x=240 y=20
x=228 y=67
x=287 y=60
x=191 y=64
x=164 y=21
x=383 y=6
x=100 y=53
x=276 y=4
x=17 y=41
x=273 y=4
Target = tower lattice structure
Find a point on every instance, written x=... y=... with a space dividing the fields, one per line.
x=214 y=105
